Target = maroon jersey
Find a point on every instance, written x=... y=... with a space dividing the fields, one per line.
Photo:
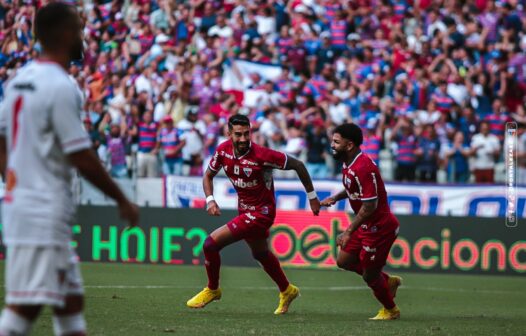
x=251 y=175
x=363 y=182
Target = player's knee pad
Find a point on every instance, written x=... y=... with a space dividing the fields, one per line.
x=210 y=245
x=12 y=323
x=262 y=255
x=68 y=324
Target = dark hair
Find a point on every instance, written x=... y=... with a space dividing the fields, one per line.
x=51 y=20
x=238 y=119
x=351 y=132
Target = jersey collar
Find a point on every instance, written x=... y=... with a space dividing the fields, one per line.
x=242 y=156
x=353 y=161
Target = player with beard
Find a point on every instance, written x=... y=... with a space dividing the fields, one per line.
x=41 y=140
x=365 y=244
x=249 y=168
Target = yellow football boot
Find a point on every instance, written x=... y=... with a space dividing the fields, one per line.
x=204 y=297
x=394 y=282
x=286 y=298
x=387 y=314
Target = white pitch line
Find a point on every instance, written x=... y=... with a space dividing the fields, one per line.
x=307 y=288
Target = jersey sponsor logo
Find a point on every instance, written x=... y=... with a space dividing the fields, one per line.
x=248 y=171
x=24 y=86
x=250 y=216
x=228 y=156
x=354 y=196
x=244 y=206
x=242 y=184
x=369 y=249
x=247 y=162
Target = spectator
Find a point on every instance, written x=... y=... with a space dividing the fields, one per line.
x=485 y=148
x=317 y=146
x=192 y=132
x=372 y=141
x=456 y=155
x=116 y=148
x=406 y=150
x=170 y=146
x=427 y=152
x=147 y=155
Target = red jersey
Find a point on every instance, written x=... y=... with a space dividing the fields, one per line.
x=251 y=175
x=363 y=182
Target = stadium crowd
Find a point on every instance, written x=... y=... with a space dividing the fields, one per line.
x=431 y=82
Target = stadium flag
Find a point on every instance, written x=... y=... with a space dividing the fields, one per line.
x=236 y=79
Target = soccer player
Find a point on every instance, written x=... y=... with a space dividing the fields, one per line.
x=41 y=140
x=249 y=168
x=365 y=244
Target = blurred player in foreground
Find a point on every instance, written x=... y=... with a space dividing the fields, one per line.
x=249 y=168
x=365 y=244
x=41 y=140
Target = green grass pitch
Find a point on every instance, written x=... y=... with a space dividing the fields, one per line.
x=150 y=300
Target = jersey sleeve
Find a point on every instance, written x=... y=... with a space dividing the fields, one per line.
x=272 y=158
x=216 y=163
x=65 y=119
x=366 y=179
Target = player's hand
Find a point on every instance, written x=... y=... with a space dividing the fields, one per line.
x=328 y=202
x=343 y=238
x=129 y=212
x=315 y=206
x=213 y=209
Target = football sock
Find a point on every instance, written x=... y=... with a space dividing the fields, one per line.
x=271 y=265
x=69 y=324
x=212 y=262
x=381 y=291
x=12 y=323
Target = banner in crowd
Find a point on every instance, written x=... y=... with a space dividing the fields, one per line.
x=238 y=78
x=299 y=239
x=406 y=199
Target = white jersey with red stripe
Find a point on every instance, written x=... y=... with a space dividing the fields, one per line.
x=40 y=119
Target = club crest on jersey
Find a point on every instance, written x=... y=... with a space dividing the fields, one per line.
x=248 y=171
x=348 y=182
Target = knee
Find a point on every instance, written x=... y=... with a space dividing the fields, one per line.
x=210 y=245
x=261 y=255
x=343 y=264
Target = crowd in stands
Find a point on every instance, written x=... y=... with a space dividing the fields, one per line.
x=431 y=82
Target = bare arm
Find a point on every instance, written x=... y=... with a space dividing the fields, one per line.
x=303 y=174
x=89 y=166
x=208 y=187
x=331 y=200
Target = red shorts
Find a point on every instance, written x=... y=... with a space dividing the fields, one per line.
x=250 y=226
x=373 y=243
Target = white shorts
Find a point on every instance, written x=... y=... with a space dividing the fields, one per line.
x=41 y=275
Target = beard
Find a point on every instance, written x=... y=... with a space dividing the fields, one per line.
x=242 y=147
x=337 y=155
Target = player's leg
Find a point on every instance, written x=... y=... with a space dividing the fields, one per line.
x=269 y=262
x=214 y=243
x=18 y=319
x=69 y=319
x=349 y=258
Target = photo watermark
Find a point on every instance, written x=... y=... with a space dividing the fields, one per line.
x=510 y=159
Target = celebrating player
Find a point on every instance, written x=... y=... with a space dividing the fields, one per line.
x=365 y=244
x=41 y=139
x=249 y=168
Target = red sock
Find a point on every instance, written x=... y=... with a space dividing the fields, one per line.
x=212 y=262
x=271 y=265
x=381 y=291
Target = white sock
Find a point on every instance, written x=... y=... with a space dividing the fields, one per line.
x=12 y=324
x=67 y=324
